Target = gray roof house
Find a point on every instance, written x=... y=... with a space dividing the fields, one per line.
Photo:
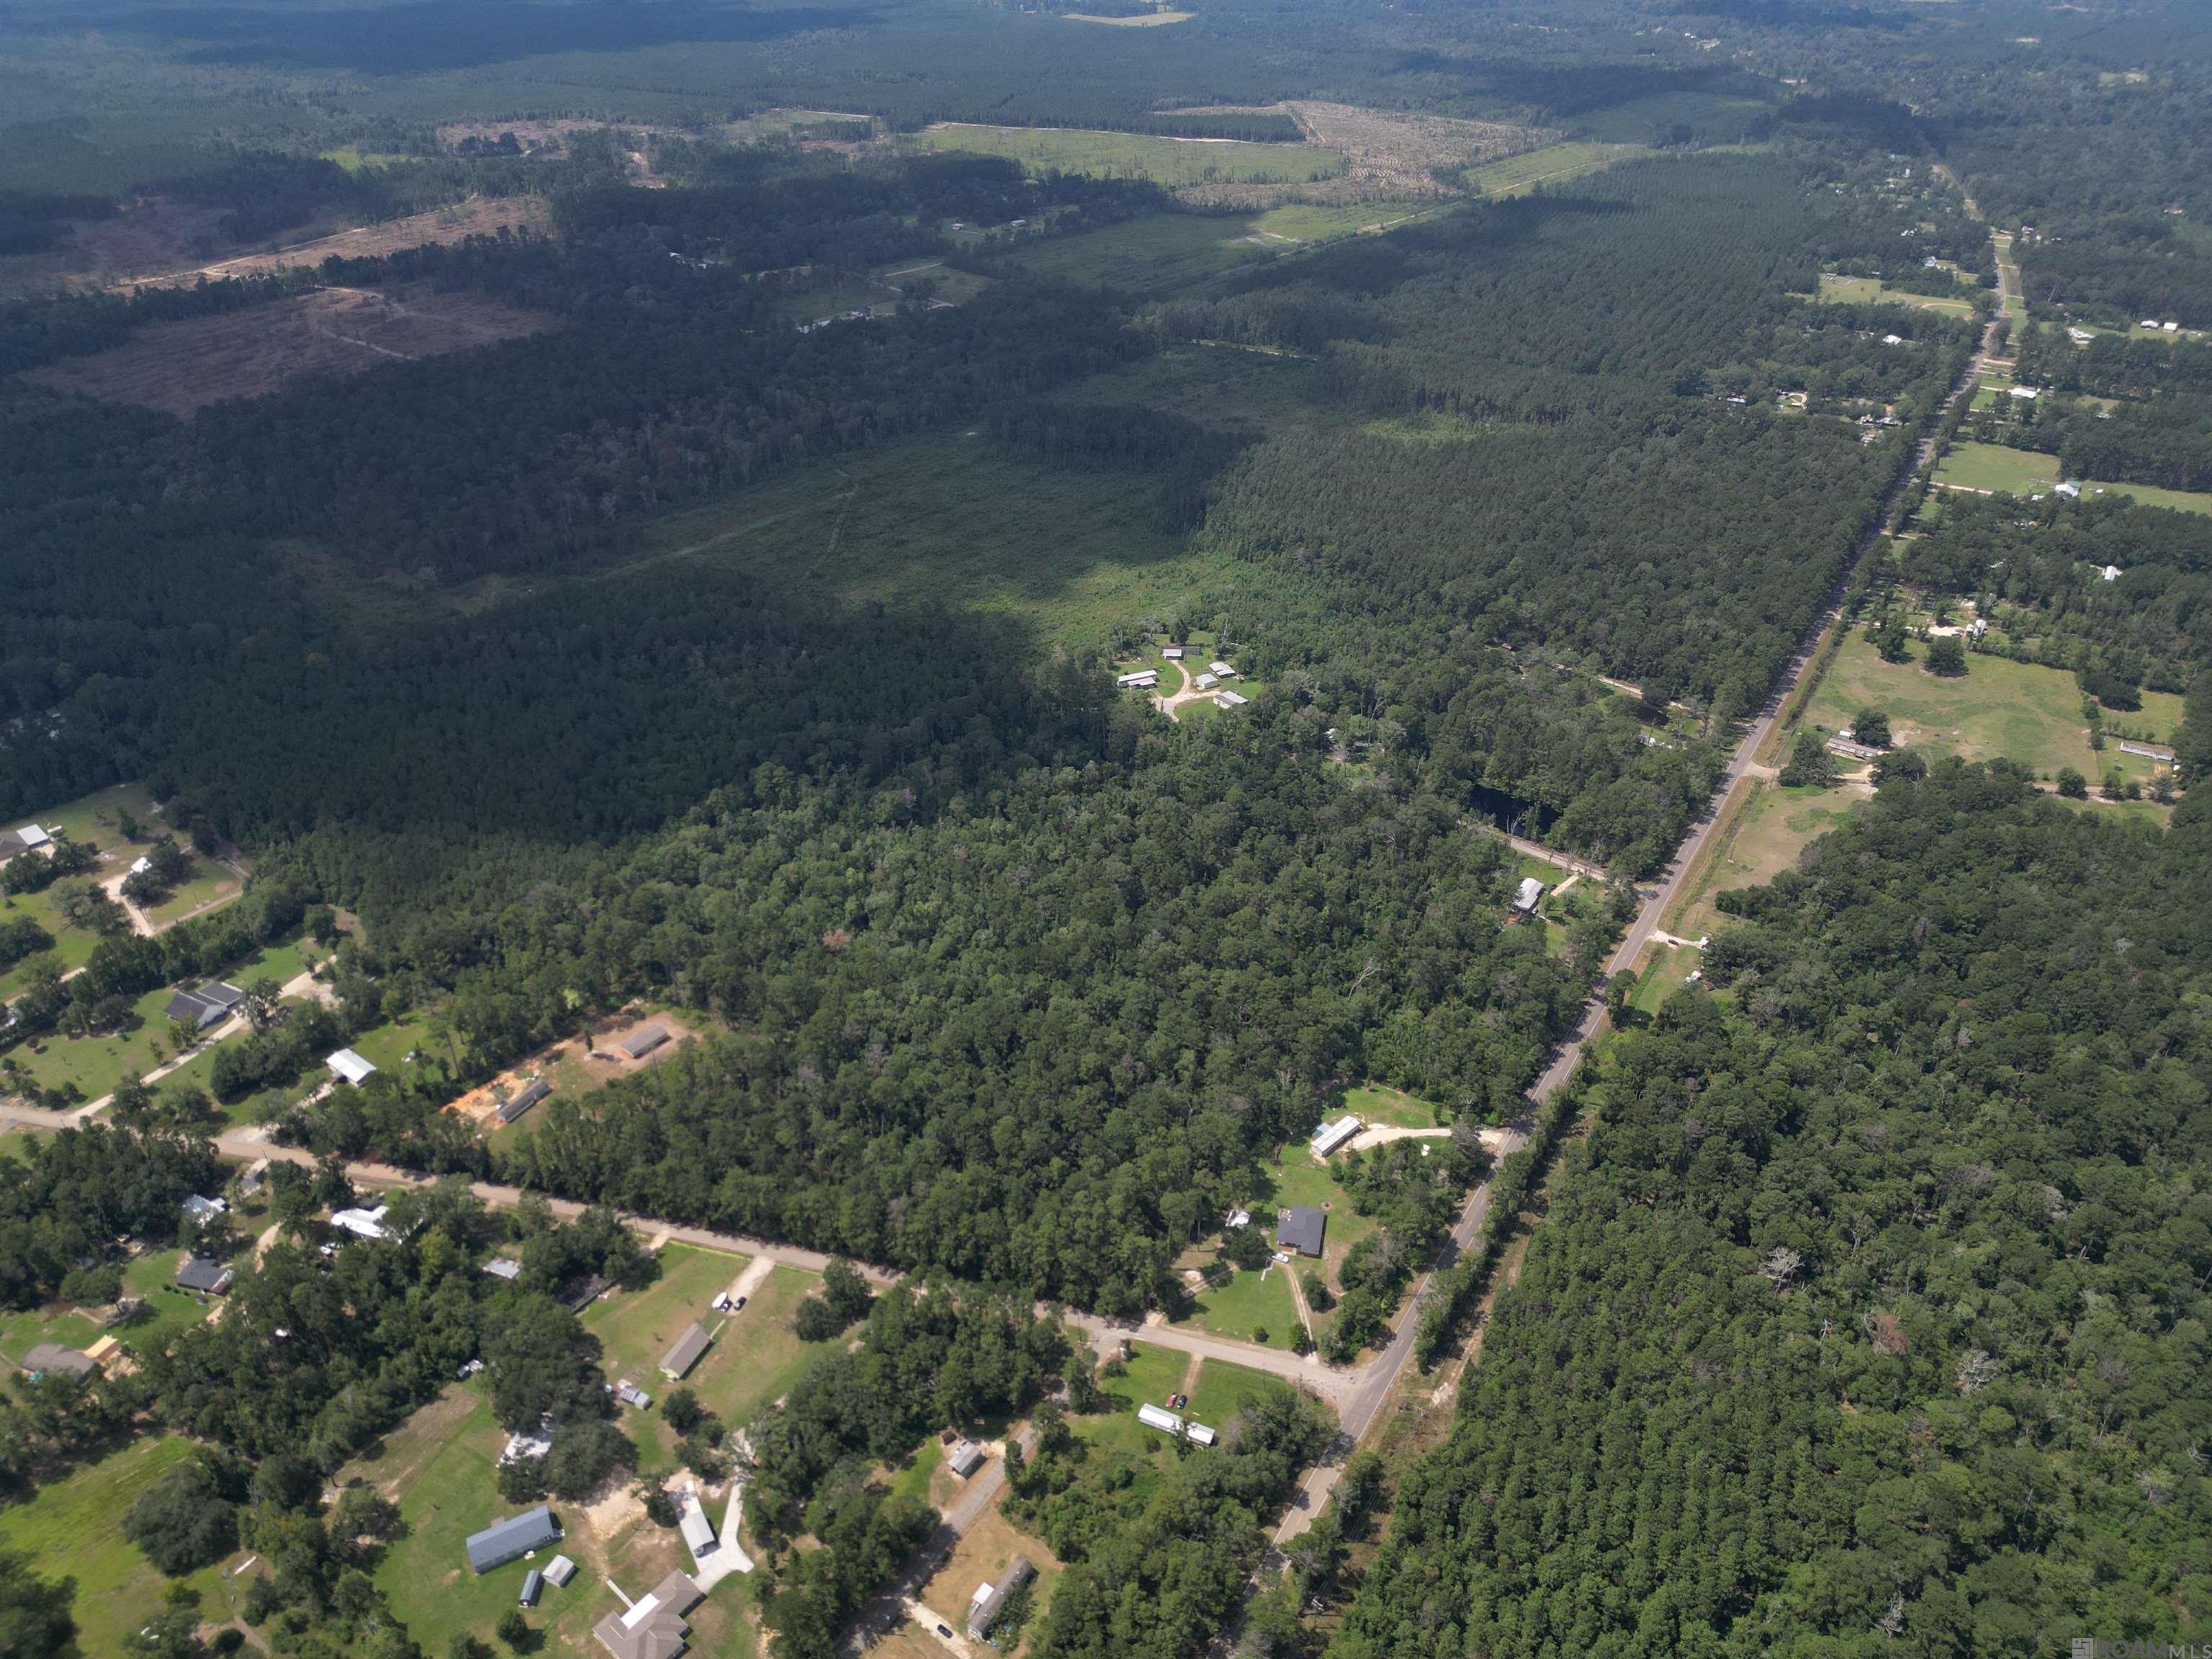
x=686 y=1353
x=642 y=1041
x=964 y=1459
x=52 y=1357
x=512 y=1539
x=523 y=1098
x=210 y=1004
x=205 y=1273
x=654 y=1627
x=983 y=1611
x=1300 y=1229
x=1527 y=895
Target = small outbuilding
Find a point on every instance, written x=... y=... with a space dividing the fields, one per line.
x=642 y=1041
x=964 y=1459
x=1330 y=1136
x=349 y=1067
x=1301 y=1228
x=698 y=1531
x=30 y=839
x=533 y=1586
x=504 y=1266
x=688 y=1351
x=559 y=1570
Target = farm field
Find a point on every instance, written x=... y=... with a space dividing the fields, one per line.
x=2022 y=711
x=1772 y=826
x=1172 y=162
x=1248 y=1304
x=757 y=1356
x=958 y=520
x=1552 y=165
x=184 y=365
x=1994 y=469
x=1871 y=291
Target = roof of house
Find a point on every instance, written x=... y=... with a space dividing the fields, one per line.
x=1330 y=1136
x=364 y=1224
x=192 y=1005
x=685 y=1354
x=504 y=1266
x=654 y=1627
x=985 y=1611
x=197 y=1208
x=203 y=1273
x=965 y=1459
x=644 y=1040
x=559 y=1570
x=586 y=1293
x=1529 y=894
x=523 y=1098
x=512 y=1539
x=1160 y=1418
x=350 y=1065
x=1301 y=1228
x=52 y=1357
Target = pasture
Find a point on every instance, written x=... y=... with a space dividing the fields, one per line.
x=1553 y=164
x=2176 y=500
x=1872 y=291
x=1174 y=163
x=1994 y=469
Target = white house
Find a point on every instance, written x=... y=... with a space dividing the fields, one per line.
x=200 y=1211
x=2111 y=573
x=1143 y=679
x=1153 y=1417
x=2067 y=487
x=1330 y=1136
x=361 y=1223
x=1200 y=1434
x=1223 y=669
x=1892 y=339
x=698 y=1531
x=2148 y=322
x=350 y=1066
x=1231 y=700
x=2170 y=328
x=1172 y=652
x=1527 y=895
x=2026 y=393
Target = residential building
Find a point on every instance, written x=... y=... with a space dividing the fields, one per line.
x=1527 y=895
x=1231 y=700
x=654 y=1627
x=200 y=1211
x=698 y=1531
x=526 y=1448
x=964 y=1459
x=686 y=1352
x=1301 y=1228
x=991 y=1599
x=1222 y=669
x=1206 y=681
x=1158 y=1417
x=349 y=1067
x=504 y=1266
x=1330 y=1136
x=512 y=1539
x=642 y=1041
x=2067 y=488
x=203 y=1273
x=523 y=1098
x=585 y=1294
x=361 y=1223
x=210 y=1004
x=1172 y=652
x=2111 y=573
x=46 y=1357
x=30 y=839
x=1199 y=1434
x=1143 y=679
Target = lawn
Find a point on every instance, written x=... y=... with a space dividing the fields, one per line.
x=72 y=947
x=1375 y=1103
x=1248 y=1304
x=2180 y=501
x=2023 y=711
x=94 y=817
x=73 y=1528
x=1668 y=970
x=1553 y=164
x=149 y=1278
x=96 y=1064
x=953 y=520
x=1302 y=1179
x=1770 y=829
x=1992 y=468
x=1871 y=291
x=1173 y=162
x=981 y=1556
x=1222 y=1388
x=757 y=1356
x=1153 y=1376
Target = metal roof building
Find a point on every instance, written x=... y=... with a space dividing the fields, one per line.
x=686 y=1353
x=983 y=1611
x=512 y=1539
x=523 y=1098
x=643 y=1041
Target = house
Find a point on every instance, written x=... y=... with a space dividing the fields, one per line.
x=210 y=1004
x=361 y=1223
x=1852 y=749
x=2111 y=573
x=1199 y=1434
x=2067 y=489
x=1892 y=339
x=1158 y=1417
x=1330 y=1136
x=533 y=1586
x=642 y=1041
x=2169 y=328
x=200 y=1211
x=1206 y=682
x=964 y=1459
x=1143 y=679
x=52 y=1356
x=30 y=839
x=1301 y=1228
x=1976 y=627
x=559 y=1570
x=523 y=1447
x=139 y=866
x=350 y=1067
x=1229 y=700
x=633 y=1396
x=654 y=1627
x=2151 y=751
x=510 y=1540
x=1223 y=669
x=2026 y=394
x=698 y=1531
x=1527 y=895
x=205 y=1273
x=686 y=1353
x=2148 y=322
x=1172 y=652
x=2080 y=336
x=991 y=1599
x=523 y=1098
x=504 y=1266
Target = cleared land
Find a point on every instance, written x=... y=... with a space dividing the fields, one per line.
x=1147 y=20
x=1165 y=250
x=183 y=366
x=479 y=216
x=2180 y=501
x=2022 y=711
x=1246 y=1303
x=1871 y=291
x=1772 y=826
x=1375 y=1102
x=1994 y=469
x=1553 y=164
x=1174 y=162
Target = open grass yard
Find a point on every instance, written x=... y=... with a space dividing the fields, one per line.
x=72 y=947
x=208 y=886
x=1172 y=162
x=944 y=282
x=2022 y=711
x=979 y=1558
x=1301 y=1178
x=756 y=1358
x=1995 y=469
x=1771 y=828
x=1553 y=164
x=1152 y=1375
x=2180 y=501
x=1667 y=972
x=1248 y=1304
x=15 y=1142
x=73 y=1528
x=1870 y=291
x=97 y=816
x=958 y=520
x=92 y=1065
x=1373 y=1102
x=1222 y=1388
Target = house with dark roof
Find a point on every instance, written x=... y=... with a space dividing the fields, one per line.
x=991 y=1599
x=523 y=1098
x=1300 y=1230
x=512 y=1539
x=686 y=1352
x=47 y=1357
x=210 y=1004
x=205 y=1273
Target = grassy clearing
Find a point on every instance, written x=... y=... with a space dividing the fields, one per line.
x=2022 y=711
x=954 y=519
x=1302 y=1179
x=1871 y=291
x=1222 y=1388
x=2180 y=500
x=1173 y=162
x=208 y=887
x=1713 y=115
x=1553 y=164
x=981 y=1557
x=1668 y=971
x=1153 y=1374
x=1773 y=826
x=1250 y=1302
x=95 y=1065
x=1162 y=251
x=1994 y=468
x=1375 y=1103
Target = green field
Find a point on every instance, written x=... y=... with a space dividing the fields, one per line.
x=1222 y=1388
x=2180 y=501
x=95 y=1065
x=2022 y=711
x=1770 y=829
x=1668 y=970
x=1248 y=1304
x=1711 y=115
x=1153 y=1374
x=1374 y=1103
x=1174 y=162
x=1871 y=291
x=756 y=1357
x=1302 y=1179
x=1162 y=251
x=1992 y=468
x=1553 y=164
x=953 y=520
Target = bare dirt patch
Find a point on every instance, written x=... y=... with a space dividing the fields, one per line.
x=182 y=366
x=479 y=216
x=1391 y=156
